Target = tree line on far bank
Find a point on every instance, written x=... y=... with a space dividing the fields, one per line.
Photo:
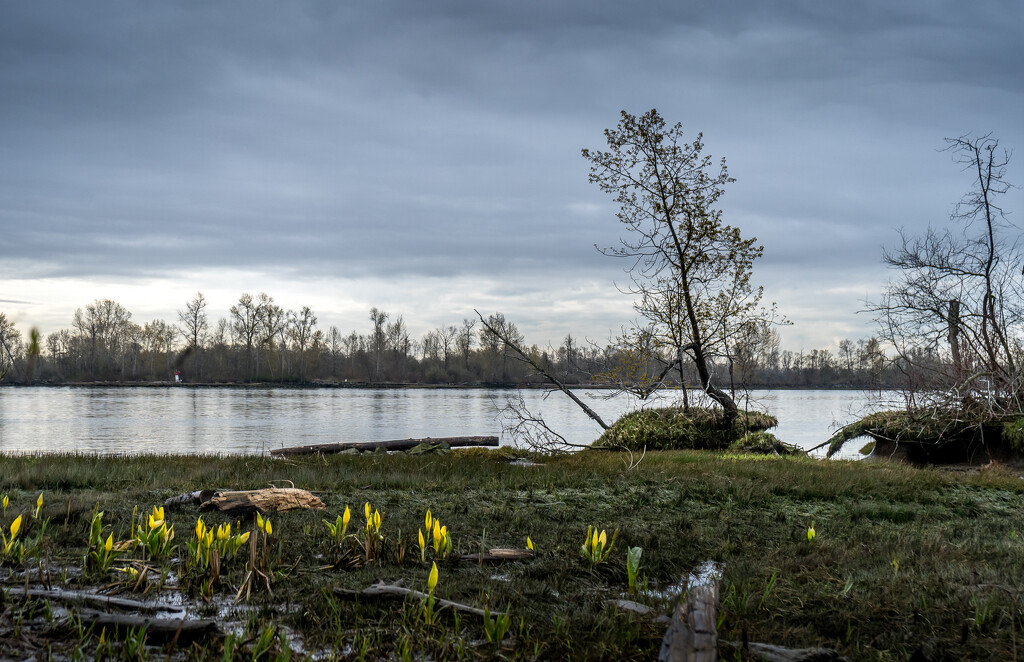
x=259 y=341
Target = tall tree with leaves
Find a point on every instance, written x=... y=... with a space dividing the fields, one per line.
x=689 y=270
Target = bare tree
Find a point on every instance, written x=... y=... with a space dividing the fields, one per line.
x=446 y=341
x=464 y=340
x=378 y=338
x=245 y=324
x=301 y=328
x=106 y=328
x=273 y=324
x=954 y=312
x=10 y=345
x=195 y=325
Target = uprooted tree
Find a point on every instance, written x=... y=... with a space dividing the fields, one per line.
x=689 y=271
x=954 y=317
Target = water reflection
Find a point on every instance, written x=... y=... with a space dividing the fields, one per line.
x=254 y=420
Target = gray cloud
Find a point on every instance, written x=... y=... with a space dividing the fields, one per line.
x=442 y=139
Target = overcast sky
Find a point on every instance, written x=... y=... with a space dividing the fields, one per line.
x=424 y=157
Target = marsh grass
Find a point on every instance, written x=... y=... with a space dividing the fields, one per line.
x=903 y=560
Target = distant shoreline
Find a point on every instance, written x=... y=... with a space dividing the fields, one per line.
x=393 y=385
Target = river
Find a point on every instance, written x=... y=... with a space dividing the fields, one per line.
x=254 y=420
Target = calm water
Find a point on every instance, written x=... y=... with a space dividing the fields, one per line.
x=241 y=420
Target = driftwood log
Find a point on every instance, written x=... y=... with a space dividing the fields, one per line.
x=499 y=556
x=94 y=599
x=267 y=500
x=384 y=591
x=157 y=629
x=189 y=498
x=773 y=653
x=394 y=445
x=693 y=633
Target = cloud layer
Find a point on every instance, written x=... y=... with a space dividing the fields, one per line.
x=319 y=146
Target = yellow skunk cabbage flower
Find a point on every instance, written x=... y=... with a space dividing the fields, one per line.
x=6 y=503
x=428 y=520
x=345 y=520
x=244 y=538
x=15 y=527
x=264 y=524
x=423 y=543
x=437 y=535
x=367 y=511
x=432 y=579
x=224 y=531
x=109 y=545
x=810 y=532
x=39 y=505
x=529 y=544
x=376 y=520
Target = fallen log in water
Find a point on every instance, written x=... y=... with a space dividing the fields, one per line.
x=499 y=556
x=157 y=629
x=394 y=445
x=381 y=590
x=95 y=599
x=772 y=653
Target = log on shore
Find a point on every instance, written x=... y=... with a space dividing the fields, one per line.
x=95 y=599
x=773 y=653
x=266 y=500
x=499 y=555
x=181 y=630
x=381 y=590
x=393 y=445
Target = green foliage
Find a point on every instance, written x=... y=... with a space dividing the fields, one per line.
x=597 y=547
x=633 y=568
x=672 y=428
x=11 y=550
x=101 y=553
x=496 y=626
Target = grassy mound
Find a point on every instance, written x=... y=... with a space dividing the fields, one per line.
x=937 y=434
x=671 y=428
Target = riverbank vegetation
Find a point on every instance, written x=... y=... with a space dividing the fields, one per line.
x=123 y=350
x=903 y=562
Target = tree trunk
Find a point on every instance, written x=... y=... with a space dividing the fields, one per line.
x=394 y=445
x=954 y=337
